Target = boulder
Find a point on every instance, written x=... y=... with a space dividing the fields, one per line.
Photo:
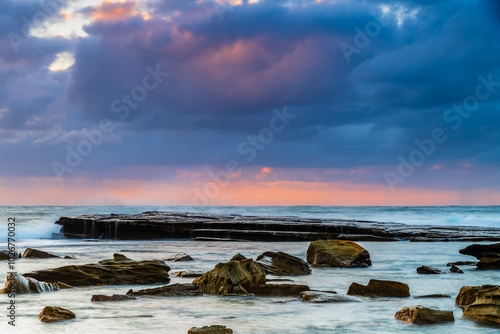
x=54 y=313
x=179 y=258
x=238 y=257
x=214 y=329
x=232 y=277
x=283 y=264
x=169 y=291
x=118 y=271
x=486 y=307
x=113 y=298
x=380 y=288
x=326 y=297
x=31 y=252
x=280 y=290
x=5 y=254
x=488 y=263
x=188 y=273
x=421 y=315
x=19 y=284
x=462 y=263
x=469 y=294
x=488 y=255
x=455 y=270
x=337 y=253
x=425 y=270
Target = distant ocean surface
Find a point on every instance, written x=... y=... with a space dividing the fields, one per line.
x=36 y=222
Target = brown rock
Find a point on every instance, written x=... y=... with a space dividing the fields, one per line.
x=436 y=295
x=214 y=329
x=63 y=286
x=179 y=258
x=326 y=297
x=488 y=263
x=113 y=298
x=31 y=252
x=486 y=307
x=425 y=270
x=421 y=315
x=238 y=257
x=169 y=291
x=188 y=273
x=380 y=288
x=19 y=284
x=337 y=253
x=280 y=290
x=283 y=264
x=467 y=295
x=462 y=263
x=5 y=254
x=232 y=277
x=118 y=271
x=454 y=269
x=54 y=313
x=480 y=251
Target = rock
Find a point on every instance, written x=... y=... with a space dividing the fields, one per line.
x=488 y=255
x=462 y=263
x=70 y=257
x=454 y=269
x=326 y=297
x=425 y=270
x=54 y=313
x=337 y=253
x=280 y=290
x=486 y=307
x=469 y=294
x=232 y=277
x=437 y=295
x=179 y=258
x=421 y=315
x=118 y=271
x=188 y=273
x=238 y=257
x=113 y=298
x=488 y=263
x=31 y=252
x=21 y=284
x=283 y=264
x=214 y=329
x=63 y=286
x=380 y=288
x=169 y=291
x=5 y=254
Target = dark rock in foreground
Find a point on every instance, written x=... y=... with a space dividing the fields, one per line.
x=54 y=313
x=421 y=315
x=214 y=329
x=380 y=288
x=118 y=271
x=154 y=225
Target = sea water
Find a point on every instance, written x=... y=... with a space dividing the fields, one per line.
x=391 y=260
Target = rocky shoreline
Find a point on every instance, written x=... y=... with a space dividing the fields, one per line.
x=226 y=227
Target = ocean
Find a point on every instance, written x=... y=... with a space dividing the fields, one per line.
x=391 y=260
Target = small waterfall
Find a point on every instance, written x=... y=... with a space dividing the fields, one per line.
x=116 y=229
x=85 y=229
x=28 y=285
x=92 y=229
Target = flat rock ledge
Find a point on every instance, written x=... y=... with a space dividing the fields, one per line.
x=227 y=227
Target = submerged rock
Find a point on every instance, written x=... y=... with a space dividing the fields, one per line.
x=488 y=255
x=179 y=258
x=486 y=307
x=283 y=264
x=455 y=270
x=19 y=284
x=380 y=288
x=326 y=297
x=462 y=263
x=421 y=315
x=54 y=313
x=214 y=329
x=239 y=277
x=425 y=270
x=280 y=290
x=337 y=253
x=31 y=252
x=436 y=295
x=118 y=271
x=188 y=273
x=113 y=298
x=169 y=291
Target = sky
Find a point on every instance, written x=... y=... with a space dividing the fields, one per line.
x=214 y=102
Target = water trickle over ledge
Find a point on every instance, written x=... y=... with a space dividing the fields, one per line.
x=184 y=225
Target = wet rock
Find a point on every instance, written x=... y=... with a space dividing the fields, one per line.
x=214 y=329
x=488 y=255
x=488 y=263
x=70 y=257
x=238 y=257
x=21 y=284
x=63 y=286
x=31 y=252
x=425 y=270
x=380 y=288
x=232 y=277
x=283 y=264
x=169 y=291
x=280 y=290
x=421 y=315
x=436 y=295
x=337 y=253
x=113 y=298
x=54 y=313
x=454 y=269
x=462 y=263
x=468 y=294
x=118 y=271
x=179 y=258
x=4 y=255
x=486 y=307
x=326 y=297
x=188 y=273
